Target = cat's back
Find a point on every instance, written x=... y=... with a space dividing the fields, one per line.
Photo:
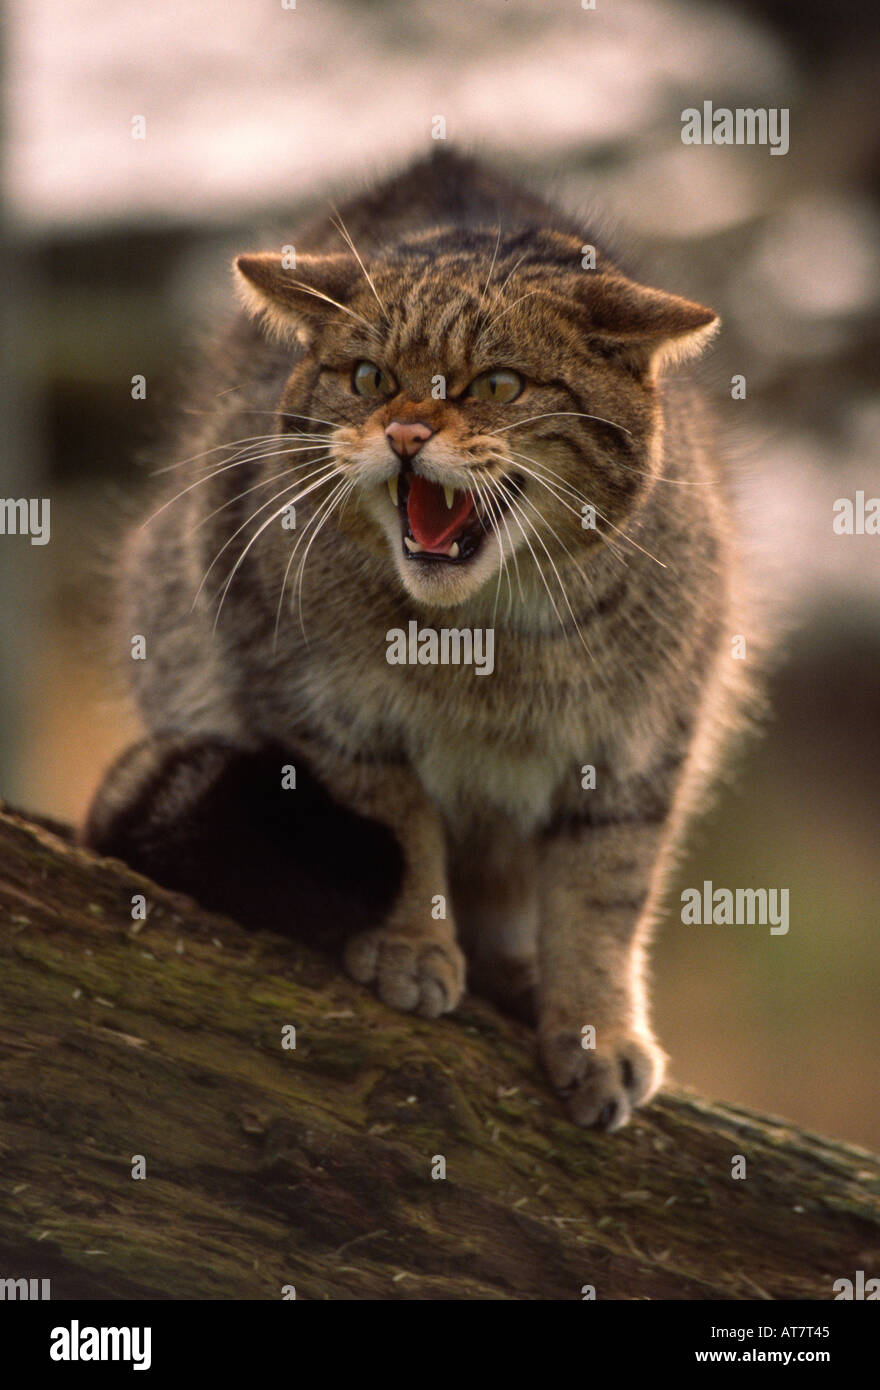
x=444 y=189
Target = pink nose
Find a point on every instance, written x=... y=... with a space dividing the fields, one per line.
x=407 y=439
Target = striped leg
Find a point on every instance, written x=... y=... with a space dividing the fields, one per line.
x=594 y=1034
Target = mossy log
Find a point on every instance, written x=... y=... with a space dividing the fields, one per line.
x=269 y=1166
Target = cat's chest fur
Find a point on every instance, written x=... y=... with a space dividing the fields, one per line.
x=479 y=744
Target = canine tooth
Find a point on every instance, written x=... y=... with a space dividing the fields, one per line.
x=414 y=547
x=449 y=494
x=392 y=487
x=453 y=551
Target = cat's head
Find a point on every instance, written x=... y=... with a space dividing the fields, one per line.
x=476 y=399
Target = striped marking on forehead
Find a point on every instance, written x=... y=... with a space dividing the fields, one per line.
x=436 y=321
x=442 y=294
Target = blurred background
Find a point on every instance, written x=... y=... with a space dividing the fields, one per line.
x=117 y=252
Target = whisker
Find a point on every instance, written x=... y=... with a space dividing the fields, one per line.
x=236 y=463
x=628 y=468
x=502 y=568
x=226 y=390
x=661 y=478
x=496 y=317
x=607 y=520
x=313 y=419
x=277 y=413
x=583 y=576
x=338 y=495
x=497 y=297
x=265 y=483
x=489 y=276
x=581 y=415
x=319 y=294
x=540 y=541
x=556 y=536
x=343 y=231
x=513 y=551
x=326 y=472
x=515 y=267
x=345 y=502
x=231 y=444
x=503 y=518
x=499 y=513
x=494 y=482
x=291 y=415
x=255 y=452
x=274 y=516
x=290 y=559
x=579 y=496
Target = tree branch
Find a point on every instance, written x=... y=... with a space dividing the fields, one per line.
x=312 y=1167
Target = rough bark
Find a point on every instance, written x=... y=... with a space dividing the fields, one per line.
x=312 y=1167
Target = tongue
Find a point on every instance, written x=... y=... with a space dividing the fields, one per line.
x=432 y=523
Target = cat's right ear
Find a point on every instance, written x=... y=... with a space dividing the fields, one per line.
x=643 y=328
x=294 y=302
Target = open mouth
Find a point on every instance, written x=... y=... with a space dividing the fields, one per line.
x=440 y=523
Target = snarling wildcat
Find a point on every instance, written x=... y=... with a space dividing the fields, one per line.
x=437 y=418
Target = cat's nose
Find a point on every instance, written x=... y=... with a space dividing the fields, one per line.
x=407 y=438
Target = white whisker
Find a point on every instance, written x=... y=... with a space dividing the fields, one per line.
x=495 y=484
x=231 y=444
x=256 y=487
x=607 y=520
x=528 y=295
x=514 y=268
x=502 y=568
x=338 y=495
x=328 y=299
x=549 y=413
x=520 y=466
x=236 y=463
x=512 y=503
x=343 y=231
x=326 y=472
x=489 y=276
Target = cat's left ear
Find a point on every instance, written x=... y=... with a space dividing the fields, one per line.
x=294 y=302
x=645 y=329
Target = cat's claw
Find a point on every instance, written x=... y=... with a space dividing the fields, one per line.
x=416 y=976
x=601 y=1087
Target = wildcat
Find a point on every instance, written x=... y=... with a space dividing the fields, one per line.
x=436 y=410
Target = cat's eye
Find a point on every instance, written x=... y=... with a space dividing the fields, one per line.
x=502 y=386
x=370 y=380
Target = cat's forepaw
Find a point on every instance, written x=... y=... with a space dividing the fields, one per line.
x=602 y=1086
x=416 y=976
